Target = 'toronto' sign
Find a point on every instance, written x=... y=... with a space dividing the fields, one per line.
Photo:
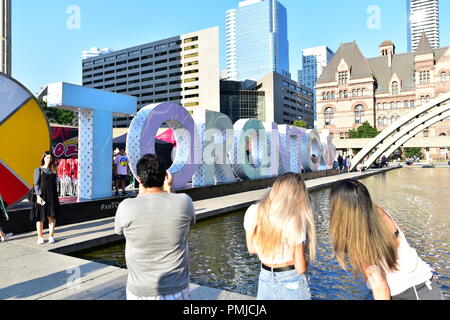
x=211 y=150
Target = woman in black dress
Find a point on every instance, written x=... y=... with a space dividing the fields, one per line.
x=47 y=201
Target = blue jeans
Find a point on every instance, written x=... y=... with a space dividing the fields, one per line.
x=287 y=285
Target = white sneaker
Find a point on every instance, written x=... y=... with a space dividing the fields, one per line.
x=6 y=237
x=51 y=239
x=40 y=241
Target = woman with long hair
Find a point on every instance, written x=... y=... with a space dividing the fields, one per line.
x=366 y=237
x=46 y=205
x=277 y=229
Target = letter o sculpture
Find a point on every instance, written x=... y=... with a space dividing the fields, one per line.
x=144 y=129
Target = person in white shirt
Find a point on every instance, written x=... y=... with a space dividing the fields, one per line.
x=121 y=171
x=366 y=237
x=277 y=229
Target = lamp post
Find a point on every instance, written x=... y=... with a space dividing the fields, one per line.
x=5 y=36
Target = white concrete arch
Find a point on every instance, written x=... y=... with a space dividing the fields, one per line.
x=417 y=130
x=402 y=127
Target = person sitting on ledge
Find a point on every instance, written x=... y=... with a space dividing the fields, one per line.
x=156 y=226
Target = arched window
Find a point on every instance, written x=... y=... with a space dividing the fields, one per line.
x=363 y=92
x=341 y=95
x=333 y=96
x=443 y=76
x=359 y=93
x=406 y=104
x=354 y=93
x=398 y=117
x=328 y=95
x=395 y=88
x=412 y=104
x=329 y=115
x=427 y=99
x=398 y=105
x=385 y=106
x=380 y=121
x=422 y=99
x=324 y=96
x=392 y=119
x=442 y=135
x=359 y=114
x=392 y=105
x=345 y=94
x=385 y=121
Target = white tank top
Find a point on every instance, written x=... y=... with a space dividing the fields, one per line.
x=284 y=253
x=412 y=270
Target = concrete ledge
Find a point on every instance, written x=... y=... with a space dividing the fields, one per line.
x=88 y=210
x=95 y=233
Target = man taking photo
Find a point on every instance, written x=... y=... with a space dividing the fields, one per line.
x=156 y=226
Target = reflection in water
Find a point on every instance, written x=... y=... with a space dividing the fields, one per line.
x=416 y=198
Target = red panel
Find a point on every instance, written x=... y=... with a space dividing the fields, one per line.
x=11 y=188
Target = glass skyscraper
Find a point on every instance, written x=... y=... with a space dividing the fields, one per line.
x=257 y=40
x=423 y=16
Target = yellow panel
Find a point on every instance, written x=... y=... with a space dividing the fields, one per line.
x=24 y=138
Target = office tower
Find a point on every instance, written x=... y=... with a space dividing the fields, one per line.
x=314 y=60
x=182 y=69
x=286 y=101
x=95 y=52
x=423 y=16
x=273 y=98
x=257 y=40
x=300 y=76
x=5 y=37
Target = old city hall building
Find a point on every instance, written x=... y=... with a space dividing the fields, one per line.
x=353 y=89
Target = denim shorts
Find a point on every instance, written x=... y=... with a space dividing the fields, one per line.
x=288 y=285
x=428 y=290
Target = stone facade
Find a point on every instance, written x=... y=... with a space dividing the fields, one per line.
x=353 y=89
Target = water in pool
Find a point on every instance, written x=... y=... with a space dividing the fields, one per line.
x=416 y=198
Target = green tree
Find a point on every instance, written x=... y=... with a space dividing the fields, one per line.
x=364 y=131
x=58 y=116
x=300 y=124
x=413 y=152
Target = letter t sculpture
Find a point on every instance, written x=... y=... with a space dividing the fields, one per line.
x=95 y=113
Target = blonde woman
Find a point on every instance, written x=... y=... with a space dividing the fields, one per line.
x=366 y=237
x=276 y=230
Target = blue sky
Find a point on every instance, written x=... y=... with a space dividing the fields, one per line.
x=45 y=50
